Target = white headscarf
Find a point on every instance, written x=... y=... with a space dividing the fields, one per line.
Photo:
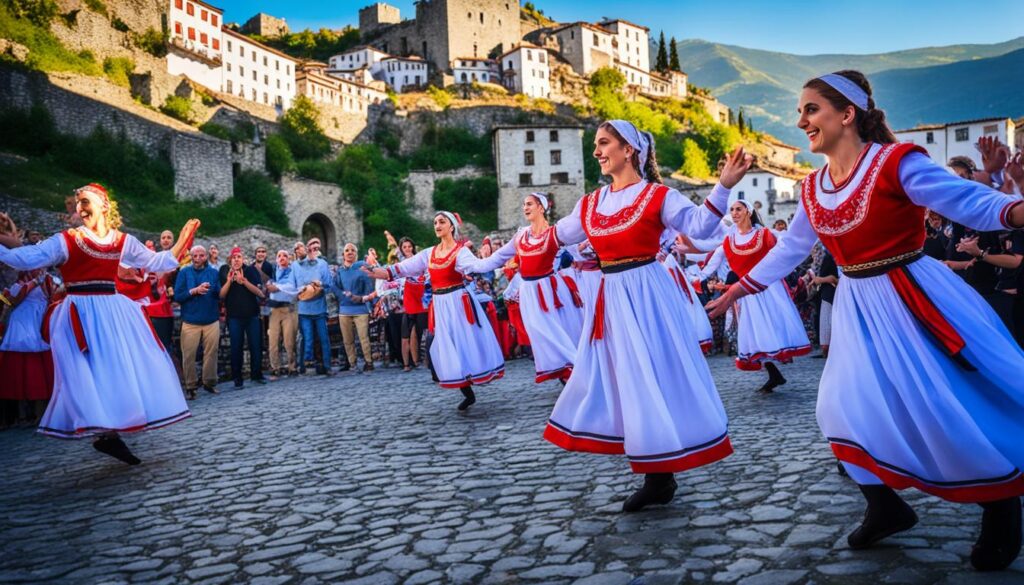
x=452 y=218
x=640 y=141
x=542 y=198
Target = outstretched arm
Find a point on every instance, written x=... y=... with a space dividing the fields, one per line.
x=136 y=255
x=474 y=265
x=966 y=202
x=414 y=266
x=49 y=252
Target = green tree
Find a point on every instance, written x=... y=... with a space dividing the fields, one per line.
x=607 y=78
x=279 y=156
x=673 y=57
x=741 y=123
x=695 y=160
x=661 y=61
x=300 y=128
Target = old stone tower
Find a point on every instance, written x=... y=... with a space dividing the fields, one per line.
x=444 y=30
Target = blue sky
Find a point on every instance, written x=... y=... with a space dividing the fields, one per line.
x=832 y=26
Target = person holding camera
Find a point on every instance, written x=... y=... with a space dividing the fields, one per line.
x=241 y=293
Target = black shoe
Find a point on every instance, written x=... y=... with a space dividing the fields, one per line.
x=886 y=515
x=211 y=389
x=261 y=381
x=842 y=469
x=820 y=356
x=368 y=367
x=469 y=400
x=113 y=445
x=1000 y=539
x=293 y=373
x=768 y=388
x=658 y=488
x=190 y=394
x=239 y=384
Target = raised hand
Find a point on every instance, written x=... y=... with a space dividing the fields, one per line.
x=993 y=153
x=1015 y=170
x=719 y=306
x=184 y=242
x=736 y=165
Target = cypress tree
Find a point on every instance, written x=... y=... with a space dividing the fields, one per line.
x=661 y=61
x=740 y=123
x=673 y=58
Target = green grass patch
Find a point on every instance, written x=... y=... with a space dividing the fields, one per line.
x=178 y=107
x=119 y=70
x=27 y=23
x=97 y=6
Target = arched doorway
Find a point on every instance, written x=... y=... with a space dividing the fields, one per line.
x=320 y=226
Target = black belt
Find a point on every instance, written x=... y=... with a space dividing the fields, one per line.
x=92 y=288
x=278 y=304
x=612 y=267
x=539 y=277
x=448 y=289
x=884 y=267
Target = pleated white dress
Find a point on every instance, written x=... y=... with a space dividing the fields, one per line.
x=550 y=304
x=923 y=385
x=640 y=384
x=465 y=351
x=111 y=372
x=587 y=271
x=690 y=300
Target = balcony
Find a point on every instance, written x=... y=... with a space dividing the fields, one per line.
x=194 y=50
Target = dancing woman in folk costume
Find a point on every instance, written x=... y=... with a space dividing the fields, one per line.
x=769 y=328
x=922 y=387
x=638 y=386
x=112 y=374
x=701 y=323
x=26 y=365
x=464 y=352
x=586 y=270
x=549 y=303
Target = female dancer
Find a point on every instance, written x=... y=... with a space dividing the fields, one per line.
x=769 y=328
x=923 y=387
x=464 y=351
x=638 y=386
x=701 y=323
x=549 y=303
x=587 y=271
x=112 y=374
x=26 y=365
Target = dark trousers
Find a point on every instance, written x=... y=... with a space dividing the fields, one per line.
x=164 y=327
x=393 y=335
x=251 y=328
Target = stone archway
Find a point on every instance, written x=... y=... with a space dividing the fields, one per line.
x=320 y=226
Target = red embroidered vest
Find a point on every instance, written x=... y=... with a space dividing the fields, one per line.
x=89 y=262
x=878 y=221
x=632 y=232
x=442 y=269
x=743 y=257
x=538 y=258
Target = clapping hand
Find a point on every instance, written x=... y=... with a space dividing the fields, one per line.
x=994 y=154
x=736 y=165
x=969 y=246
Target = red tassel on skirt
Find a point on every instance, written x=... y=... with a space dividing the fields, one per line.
x=574 y=291
x=598 y=331
x=554 y=291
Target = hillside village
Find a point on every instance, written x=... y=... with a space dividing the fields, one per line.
x=224 y=103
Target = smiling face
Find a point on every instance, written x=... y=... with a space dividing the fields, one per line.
x=532 y=208
x=261 y=255
x=350 y=253
x=442 y=227
x=611 y=153
x=90 y=208
x=824 y=125
x=407 y=248
x=740 y=215
x=166 y=239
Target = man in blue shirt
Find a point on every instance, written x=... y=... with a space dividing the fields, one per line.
x=354 y=290
x=311 y=278
x=197 y=291
x=284 y=321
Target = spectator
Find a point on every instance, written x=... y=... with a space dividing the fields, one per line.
x=936 y=236
x=780 y=225
x=215 y=260
x=309 y=273
x=284 y=321
x=241 y=294
x=354 y=289
x=265 y=267
x=197 y=291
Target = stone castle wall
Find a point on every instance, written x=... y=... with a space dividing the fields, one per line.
x=421 y=189
x=202 y=167
x=323 y=202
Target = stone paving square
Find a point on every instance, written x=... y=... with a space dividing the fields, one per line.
x=375 y=478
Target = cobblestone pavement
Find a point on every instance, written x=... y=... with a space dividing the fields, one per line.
x=375 y=478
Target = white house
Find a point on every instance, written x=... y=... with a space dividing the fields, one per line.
x=352 y=97
x=357 y=58
x=944 y=141
x=525 y=69
x=361 y=75
x=470 y=69
x=537 y=158
x=586 y=47
x=633 y=45
x=256 y=72
x=769 y=191
x=194 y=42
x=634 y=75
x=404 y=73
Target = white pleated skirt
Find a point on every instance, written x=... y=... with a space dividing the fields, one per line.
x=463 y=354
x=769 y=329
x=113 y=375
x=587 y=281
x=892 y=402
x=644 y=389
x=553 y=325
x=690 y=300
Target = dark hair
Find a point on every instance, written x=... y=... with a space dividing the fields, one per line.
x=650 y=171
x=404 y=240
x=871 y=124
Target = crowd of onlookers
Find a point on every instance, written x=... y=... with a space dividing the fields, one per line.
x=263 y=316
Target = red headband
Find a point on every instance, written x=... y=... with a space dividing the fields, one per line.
x=94 y=189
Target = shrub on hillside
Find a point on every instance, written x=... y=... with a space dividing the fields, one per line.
x=695 y=161
x=441 y=97
x=444 y=149
x=279 y=156
x=152 y=41
x=97 y=6
x=475 y=199
x=300 y=128
x=259 y=194
x=38 y=12
x=178 y=107
x=119 y=70
x=27 y=22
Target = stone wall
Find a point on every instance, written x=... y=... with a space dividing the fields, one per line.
x=306 y=199
x=249 y=156
x=202 y=167
x=249 y=239
x=81 y=105
x=420 y=196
